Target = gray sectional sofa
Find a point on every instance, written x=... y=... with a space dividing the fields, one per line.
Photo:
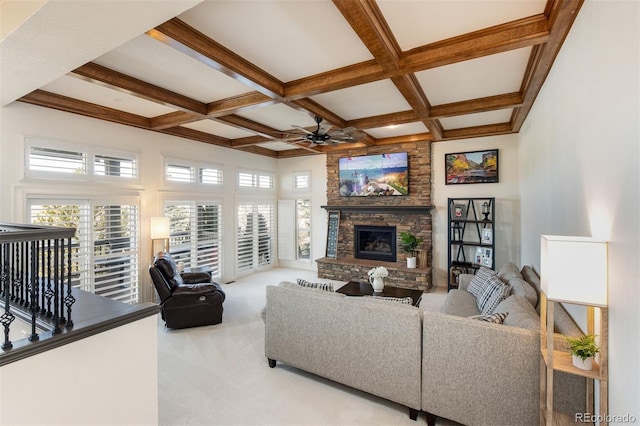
x=368 y=344
x=444 y=363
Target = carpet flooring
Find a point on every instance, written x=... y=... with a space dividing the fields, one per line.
x=218 y=375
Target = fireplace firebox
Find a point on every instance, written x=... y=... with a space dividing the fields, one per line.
x=375 y=242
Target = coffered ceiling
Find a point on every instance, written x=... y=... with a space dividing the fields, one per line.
x=241 y=74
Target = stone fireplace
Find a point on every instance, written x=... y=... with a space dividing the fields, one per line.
x=411 y=213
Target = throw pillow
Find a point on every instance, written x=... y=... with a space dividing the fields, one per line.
x=477 y=283
x=493 y=293
x=509 y=271
x=522 y=288
x=320 y=286
x=496 y=318
x=521 y=313
x=406 y=300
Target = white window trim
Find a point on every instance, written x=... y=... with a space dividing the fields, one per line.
x=256 y=177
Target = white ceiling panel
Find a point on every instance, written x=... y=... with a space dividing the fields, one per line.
x=100 y=95
x=380 y=97
x=399 y=130
x=218 y=129
x=164 y=66
x=277 y=146
x=476 y=78
x=279 y=117
x=480 y=119
x=288 y=39
x=431 y=21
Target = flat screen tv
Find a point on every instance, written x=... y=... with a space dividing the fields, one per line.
x=374 y=175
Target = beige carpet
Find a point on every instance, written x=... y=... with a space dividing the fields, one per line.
x=218 y=375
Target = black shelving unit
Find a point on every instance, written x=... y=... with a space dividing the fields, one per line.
x=471 y=239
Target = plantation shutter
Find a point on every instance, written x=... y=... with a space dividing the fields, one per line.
x=286 y=232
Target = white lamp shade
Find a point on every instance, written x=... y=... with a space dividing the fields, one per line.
x=574 y=269
x=159 y=228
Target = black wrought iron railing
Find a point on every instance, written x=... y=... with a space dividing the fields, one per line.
x=35 y=278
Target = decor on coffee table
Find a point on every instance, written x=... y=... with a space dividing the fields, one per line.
x=409 y=244
x=573 y=270
x=376 y=278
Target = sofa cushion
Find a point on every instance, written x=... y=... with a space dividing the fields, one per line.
x=522 y=288
x=521 y=313
x=476 y=286
x=494 y=291
x=530 y=276
x=508 y=272
x=294 y=286
x=460 y=303
x=496 y=317
x=406 y=300
x=320 y=286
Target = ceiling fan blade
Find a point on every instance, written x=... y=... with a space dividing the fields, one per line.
x=302 y=128
x=325 y=127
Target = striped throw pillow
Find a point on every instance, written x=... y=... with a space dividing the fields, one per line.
x=494 y=292
x=320 y=286
x=496 y=318
x=476 y=286
x=406 y=300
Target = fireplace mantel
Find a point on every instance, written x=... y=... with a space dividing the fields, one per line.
x=381 y=209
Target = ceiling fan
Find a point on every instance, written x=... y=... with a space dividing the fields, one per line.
x=323 y=135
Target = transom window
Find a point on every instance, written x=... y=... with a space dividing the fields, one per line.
x=257 y=180
x=184 y=171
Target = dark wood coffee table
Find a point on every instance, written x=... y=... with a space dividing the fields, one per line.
x=363 y=288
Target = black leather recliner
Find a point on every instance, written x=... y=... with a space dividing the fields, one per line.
x=187 y=299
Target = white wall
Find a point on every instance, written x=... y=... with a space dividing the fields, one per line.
x=507 y=232
x=317 y=166
x=19 y=120
x=579 y=162
x=107 y=379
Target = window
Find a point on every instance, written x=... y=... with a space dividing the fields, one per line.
x=196 y=233
x=255 y=235
x=105 y=247
x=106 y=165
x=301 y=180
x=259 y=180
x=303 y=228
x=47 y=158
x=184 y=171
x=57 y=160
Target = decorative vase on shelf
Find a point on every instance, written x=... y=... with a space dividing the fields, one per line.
x=583 y=364
x=411 y=262
x=377 y=284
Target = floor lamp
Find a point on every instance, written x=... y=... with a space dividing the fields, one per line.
x=159 y=231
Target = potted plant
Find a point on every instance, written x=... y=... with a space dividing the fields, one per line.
x=583 y=349
x=409 y=244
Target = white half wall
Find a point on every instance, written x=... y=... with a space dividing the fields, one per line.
x=507 y=227
x=579 y=162
x=110 y=378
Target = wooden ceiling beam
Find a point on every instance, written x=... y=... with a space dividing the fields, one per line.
x=478 y=131
x=474 y=106
x=188 y=40
x=489 y=41
x=383 y=120
x=418 y=137
x=173 y=119
x=75 y=106
x=409 y=87
x=115 y=80
x=369 y=24
x=314 y=108
x=197 y=135
x=238 y=103
x=561 y=16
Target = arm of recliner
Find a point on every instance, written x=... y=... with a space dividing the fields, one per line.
x=195 y=277
x=195 y=289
